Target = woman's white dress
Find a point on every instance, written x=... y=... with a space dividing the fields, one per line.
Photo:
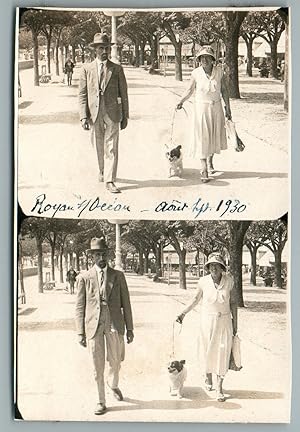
x=215 y=323
x=208 y=135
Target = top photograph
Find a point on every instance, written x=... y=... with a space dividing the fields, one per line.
x=153 y=113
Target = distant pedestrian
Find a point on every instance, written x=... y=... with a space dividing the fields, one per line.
x=103 y=310
x=209 y=135
x=218 y=321
x=103 y=104
x=71 y=278
x=69 y=66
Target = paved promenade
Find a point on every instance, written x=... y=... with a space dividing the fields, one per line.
x=54 y=373
x=55 y=155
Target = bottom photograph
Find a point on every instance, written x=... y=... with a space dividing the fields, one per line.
x=152 y=321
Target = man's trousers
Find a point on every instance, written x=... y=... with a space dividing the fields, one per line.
x=114 y=342
x=105 y=134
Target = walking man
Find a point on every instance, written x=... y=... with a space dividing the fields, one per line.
x=103 y=311
x=103 y=105
x=71 y=278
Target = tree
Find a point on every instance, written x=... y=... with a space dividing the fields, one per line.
x=250 y=29
x=272 y=26
x=276 y=234
x=177 y=233
x=37 y=228
x=233 y=22
x=33 y=20
x=172 y=23
x=254 y=238
x=283 y=13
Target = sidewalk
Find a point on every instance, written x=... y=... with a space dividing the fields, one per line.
x=56 y=157
x=55 y=380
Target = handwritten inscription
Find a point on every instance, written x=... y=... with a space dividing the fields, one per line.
x=201 y=206
x=43 y=207
x=195 y=209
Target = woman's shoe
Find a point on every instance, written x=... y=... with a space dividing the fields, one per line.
x=204 y=176
x=211 y=170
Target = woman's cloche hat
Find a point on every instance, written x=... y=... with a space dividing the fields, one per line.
x=101 y=39
x=98 y=244
x=215 y=258
x=206 y=50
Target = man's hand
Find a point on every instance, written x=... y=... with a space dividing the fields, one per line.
x=124 y=123
x=129 y=336
x=85 y=124
x=228 y=113
x=82 y=340
x=180 y=318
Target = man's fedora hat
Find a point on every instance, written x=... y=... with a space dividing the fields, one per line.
x=98 y=244
x=101 y=39
x=215 y=258
x=206 y=50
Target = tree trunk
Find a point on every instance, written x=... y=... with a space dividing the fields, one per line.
x=286 y=70
x=77 y=261
x=52 y=261
x=146 y=262
x=48 y=53
x=35 y=59
x=137 y=53
x=277 y=256
x=21 y=276
x=237 y=233
x=39 y=248
x=274 y=70
x=233 y=21
x=158 y=256
x=73 y=53
x=231 y=59
x=178 y=61
x=56 y=59
x=253 y=252
x=249 y=45
x=62 y=57
x=141 y=262
x=142 y=53
x=182 y=271
x=154 y=54
x=61 y=274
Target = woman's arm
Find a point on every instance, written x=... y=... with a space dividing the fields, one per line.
x=188 y=93
x=225 y=96
x=191 y=306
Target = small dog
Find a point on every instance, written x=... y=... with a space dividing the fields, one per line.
x=177 y=375
x=174 y=157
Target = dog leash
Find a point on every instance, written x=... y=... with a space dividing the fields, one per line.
x=173 y=338
x=172 y=123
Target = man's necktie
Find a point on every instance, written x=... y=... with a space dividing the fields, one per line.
x=101 y=279
x=101 y=77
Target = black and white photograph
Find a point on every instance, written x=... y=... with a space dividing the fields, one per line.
x=153 y=113
x=153 y=321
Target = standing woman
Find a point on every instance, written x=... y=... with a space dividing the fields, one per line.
x=218 y=321
x=209 y=136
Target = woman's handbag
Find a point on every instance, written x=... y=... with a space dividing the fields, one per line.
x=232 y=137
x=235 y=362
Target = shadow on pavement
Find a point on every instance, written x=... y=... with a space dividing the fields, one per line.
x=263 y=290
x=191 y=178
x=57 y=117
x=25 y=104
x=248 y=174
x=197 y=398
x=253 y=394
x=266 y=306
x=27 y=311
x=62 y=324
x=269 y=98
